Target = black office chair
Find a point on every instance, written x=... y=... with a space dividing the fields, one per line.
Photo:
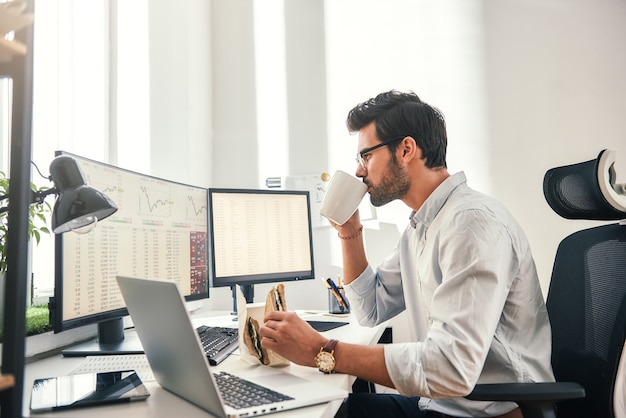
x=586 y=300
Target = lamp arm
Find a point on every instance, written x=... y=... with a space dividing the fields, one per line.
x=36 y=197
x=40 y=195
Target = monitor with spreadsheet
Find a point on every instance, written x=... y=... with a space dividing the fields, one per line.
x=158 y=232
x=259 y=236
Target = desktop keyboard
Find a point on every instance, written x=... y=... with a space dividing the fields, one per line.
x=218 y=342
x=116 y=362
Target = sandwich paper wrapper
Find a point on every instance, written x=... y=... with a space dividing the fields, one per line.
x=256 y=311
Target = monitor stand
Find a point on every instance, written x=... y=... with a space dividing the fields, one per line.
x=111 y=341
x=248 y=293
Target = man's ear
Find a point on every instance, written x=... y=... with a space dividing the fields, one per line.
x=409 y=149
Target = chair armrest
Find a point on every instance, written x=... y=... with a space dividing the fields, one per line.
x=525 y=392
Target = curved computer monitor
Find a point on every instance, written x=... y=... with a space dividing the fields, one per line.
x=159 y=231
x=259 y=236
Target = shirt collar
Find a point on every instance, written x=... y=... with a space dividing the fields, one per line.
x=436 y=200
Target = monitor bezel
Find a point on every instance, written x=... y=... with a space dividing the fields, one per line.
x=247 y=280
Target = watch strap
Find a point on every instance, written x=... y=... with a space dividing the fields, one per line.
x=329 y=347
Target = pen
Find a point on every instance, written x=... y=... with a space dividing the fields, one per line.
x=334 y=287
x=339 y=285
x=335 y=293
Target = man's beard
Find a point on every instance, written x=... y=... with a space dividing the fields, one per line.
x=395 y=184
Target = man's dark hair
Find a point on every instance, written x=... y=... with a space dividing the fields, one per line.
x=395 y=114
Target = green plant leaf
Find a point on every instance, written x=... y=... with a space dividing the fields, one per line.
x=37 y=221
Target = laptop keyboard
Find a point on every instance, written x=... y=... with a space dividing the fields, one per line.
x=240 y=393
x=218 y=342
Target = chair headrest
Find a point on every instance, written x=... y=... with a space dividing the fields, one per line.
x=586 y=190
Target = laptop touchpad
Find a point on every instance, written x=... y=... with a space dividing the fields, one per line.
x=282 y=379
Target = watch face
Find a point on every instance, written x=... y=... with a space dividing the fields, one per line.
x=325 y=362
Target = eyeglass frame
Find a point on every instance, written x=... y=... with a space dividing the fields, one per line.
x=359 y=155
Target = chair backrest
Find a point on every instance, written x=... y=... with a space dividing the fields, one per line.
x=587 y=296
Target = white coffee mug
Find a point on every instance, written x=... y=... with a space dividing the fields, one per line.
x=343 y=196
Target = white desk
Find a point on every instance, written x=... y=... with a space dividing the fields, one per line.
x=162 y=403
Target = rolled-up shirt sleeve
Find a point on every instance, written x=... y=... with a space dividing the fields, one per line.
x=376 y=295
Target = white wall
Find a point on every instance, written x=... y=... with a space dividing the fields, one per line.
x=555 y=94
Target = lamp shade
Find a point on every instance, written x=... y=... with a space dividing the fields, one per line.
x=78 y=204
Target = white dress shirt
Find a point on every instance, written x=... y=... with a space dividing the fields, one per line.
x=464 y=272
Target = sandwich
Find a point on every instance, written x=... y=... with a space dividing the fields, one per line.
x=275 y=300
x=252 y=339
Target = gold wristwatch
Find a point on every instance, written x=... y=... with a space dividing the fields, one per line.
x=324 y=359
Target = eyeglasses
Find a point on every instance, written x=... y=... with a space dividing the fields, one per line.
x=362 y=156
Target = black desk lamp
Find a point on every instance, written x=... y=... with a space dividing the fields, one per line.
x=78 y=205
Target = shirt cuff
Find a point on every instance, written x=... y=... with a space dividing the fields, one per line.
x=404 y=365
x=361 y=286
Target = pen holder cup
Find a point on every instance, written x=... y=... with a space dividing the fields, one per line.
x=334 y=306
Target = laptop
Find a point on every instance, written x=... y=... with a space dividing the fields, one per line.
x=178 y=362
